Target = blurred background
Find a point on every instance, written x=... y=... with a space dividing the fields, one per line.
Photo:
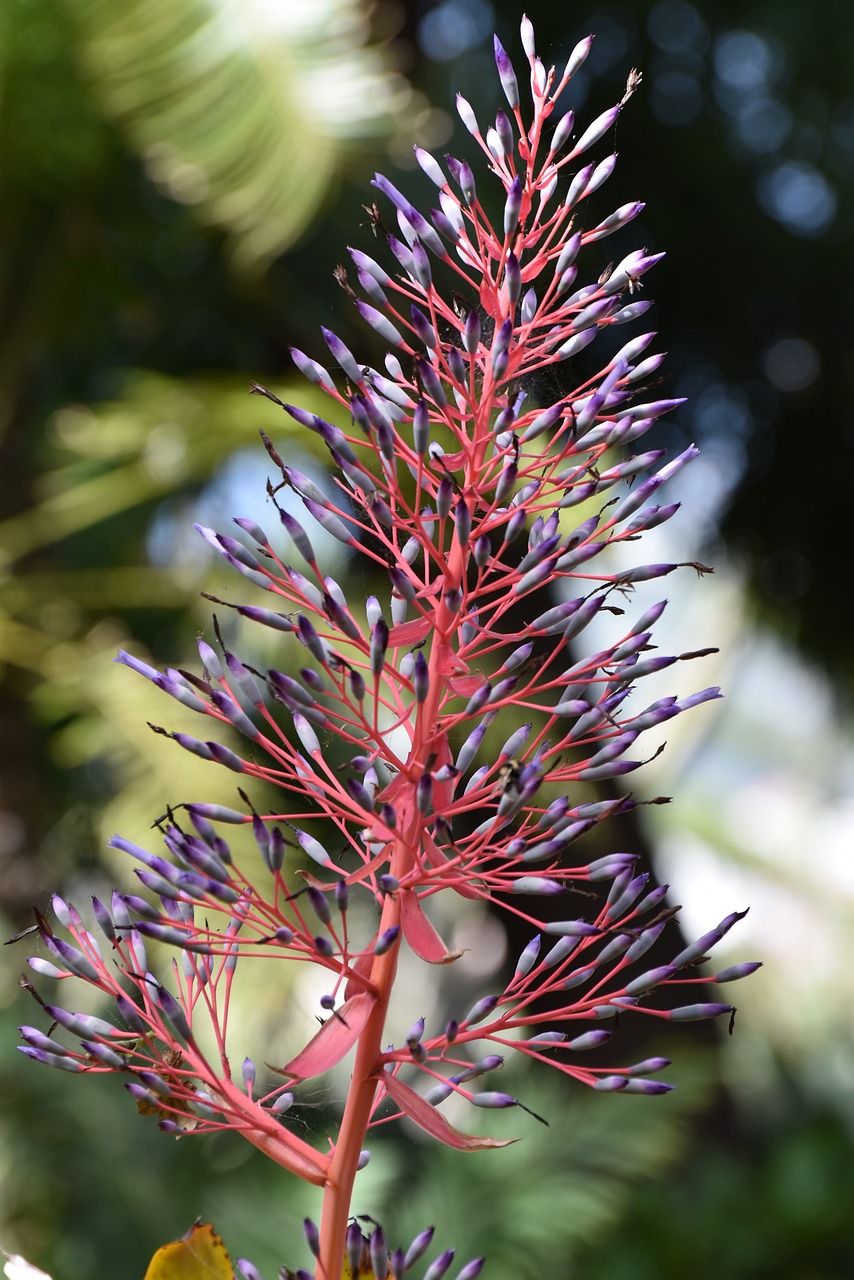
x=179 y=179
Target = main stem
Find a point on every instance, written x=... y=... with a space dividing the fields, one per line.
x=338 y=1188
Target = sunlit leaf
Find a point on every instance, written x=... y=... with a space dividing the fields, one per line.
x=201 y=1255
x=243 y=110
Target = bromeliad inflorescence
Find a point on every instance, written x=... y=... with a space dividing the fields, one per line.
x=469 y=711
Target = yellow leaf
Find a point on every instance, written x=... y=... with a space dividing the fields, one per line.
x=201 y=1255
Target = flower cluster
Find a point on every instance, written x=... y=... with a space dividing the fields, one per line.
x=468 y=712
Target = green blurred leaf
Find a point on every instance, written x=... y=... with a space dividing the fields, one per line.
x=241 y=110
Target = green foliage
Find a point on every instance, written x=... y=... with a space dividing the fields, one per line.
x=244 y=112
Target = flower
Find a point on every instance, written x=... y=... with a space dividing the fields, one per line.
x=457 y=475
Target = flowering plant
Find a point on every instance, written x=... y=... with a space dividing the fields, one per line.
x=460 y=494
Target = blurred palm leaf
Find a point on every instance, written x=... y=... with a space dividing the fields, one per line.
x=243 y=109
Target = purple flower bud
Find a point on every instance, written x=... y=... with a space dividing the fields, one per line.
x=421 y=677
x=649 y=980
x=424 y=793
x=439 y=1266
x=312 y=1236
x=696 y=1012
x=480 y=1010
x=173 y=1013
x=506 y=74
x=512 y=209
x=698 y=949
x=528 y=958
x=314 y=848
x=430 y=167
x=72 y=959
x=354 y=1241
x=572 y=929
x=736 y=971
x=467 y=115
x=247 y=1271
x=386 y=940
x=312 y=370
x=537 y=886
x=342 y=355
x=38 y=1040
x=378 y=1251
x=50 y=1059
x=471 y=1270
x=427 y=334
x=378 y=322
x=106 y=1056
x=418 y=1248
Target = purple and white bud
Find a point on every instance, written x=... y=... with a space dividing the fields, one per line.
x=482 y=1009
x=572 y=929
x=504 y=130
x=425 y=331
x=424 y=793
x=439 y=1267
x=544 y=421
x=421 y=677
x=691 y=954
x=173 y=1012
x=418 y=1248
x=342 y=354
x=312 y=370
x=312 y=1236
x=528 y=957
x=50 y=1059
x=649 y=980
x=736 y=971
x=378 y=1251
x=576 y=344
x=697 y=1012
x=386 y=940
x=562 y=133
x=512 y=209
x=247 y=1270
x=467 y=116
x=378 y=322
x=506 y=74
x=537 y=886
x=431 y=167
x=642 y=944
x=471 y=1270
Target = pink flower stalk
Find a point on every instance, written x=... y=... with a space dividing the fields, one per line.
x=456 y=488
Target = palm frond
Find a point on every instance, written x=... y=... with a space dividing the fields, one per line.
x=244 y=109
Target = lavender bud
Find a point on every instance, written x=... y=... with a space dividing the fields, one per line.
x=652 y=978
x=736 y=971
x=424 y=793
x=528 y=958
x=480 y=1010
x=562 y=133
x=378 y=1253
x=173 y=1013
x=512 y=209
x=312 y=1236
x=471 y=1270
x=247 y=1270
x=697 y=949
x=378 y=322
x=506 y=74
x=696 y=1012
x=386 y=940
x=439 y=1266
